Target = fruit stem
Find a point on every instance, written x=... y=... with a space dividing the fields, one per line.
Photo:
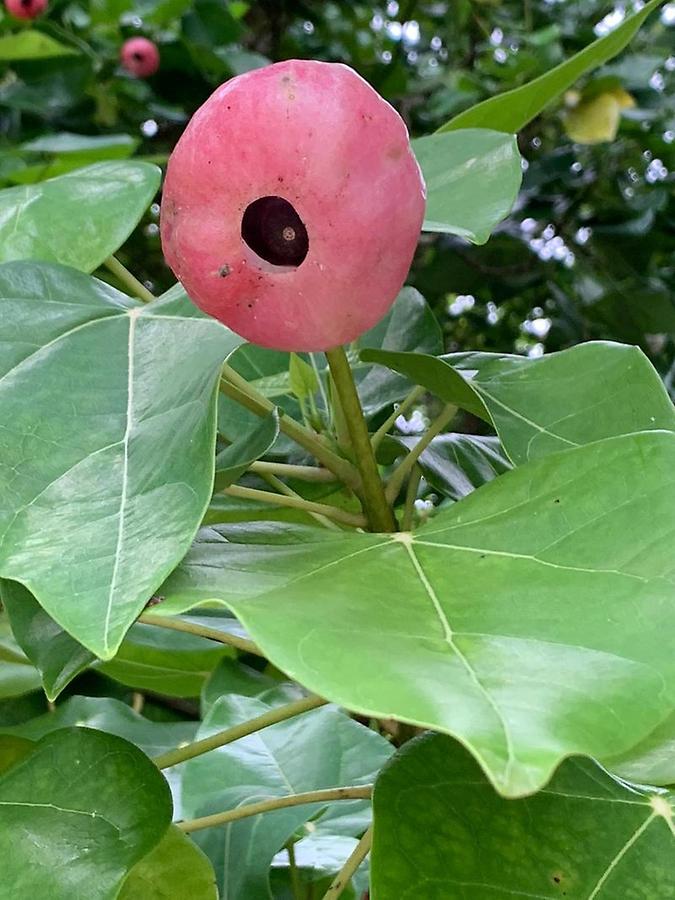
x=221 y=738
x=323 y=509
x=400 y=474
x=236 y=387
x=378 y=511
x=137 y=288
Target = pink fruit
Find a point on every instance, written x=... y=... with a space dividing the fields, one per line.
x=292 y=206
x=140 y=57
x=25 y=9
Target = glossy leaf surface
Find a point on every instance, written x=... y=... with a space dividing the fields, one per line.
x=320 y=749
x=175 y=864
x=76 y=814
x=106 y=715
x=124 y=396
x=78 y=219
x=56 y=655
x=527 y=619
x=17 y=674
x=456 y=464
x=540 y=406
x=473 y=177
x=441 y=831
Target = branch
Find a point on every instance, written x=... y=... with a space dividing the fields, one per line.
x=308 y=506
x=212 y=634
x=254 y=809
x=284 y=489
x=197 y=748
x=236 y=387
x=355 y=859
x=284 y=470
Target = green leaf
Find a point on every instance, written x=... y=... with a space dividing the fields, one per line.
x=150 y=658
x=513 y=110
x=66 y=143
x=77 y=813
x=167 y=662
x=652 y=761
x=55 y=654
x=472 y=177
x=255 y=439
x=323 y=748
x=584 y=836
x=456 y=464
x=17 y=674
x=31 y=45
x=106 y=715
x=540 y=406
x=78 y=219
x=303 y=380
x=47 y=88
x=124 y=398
x=234 y=677
x=527 y=619
x=13 y=750
x=176 y=863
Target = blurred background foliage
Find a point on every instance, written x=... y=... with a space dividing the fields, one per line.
x=589 y=250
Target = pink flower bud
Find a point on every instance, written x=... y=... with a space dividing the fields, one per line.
x=140 y=57
x=292 y=206
x=25 y=9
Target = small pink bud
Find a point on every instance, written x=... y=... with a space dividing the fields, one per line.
x=140 y=57
x=292 y=206
x=25 y=9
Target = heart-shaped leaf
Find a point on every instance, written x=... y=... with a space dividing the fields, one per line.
x=176 y=863
x=123 y=398
x=78 y=219
x=77 y=813
x=527 y=619
x=472 y=177
x=323 y=748
x=539 y=406
x=442 y=832
x=513 y=110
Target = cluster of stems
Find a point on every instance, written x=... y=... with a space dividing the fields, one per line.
x=350 y=460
